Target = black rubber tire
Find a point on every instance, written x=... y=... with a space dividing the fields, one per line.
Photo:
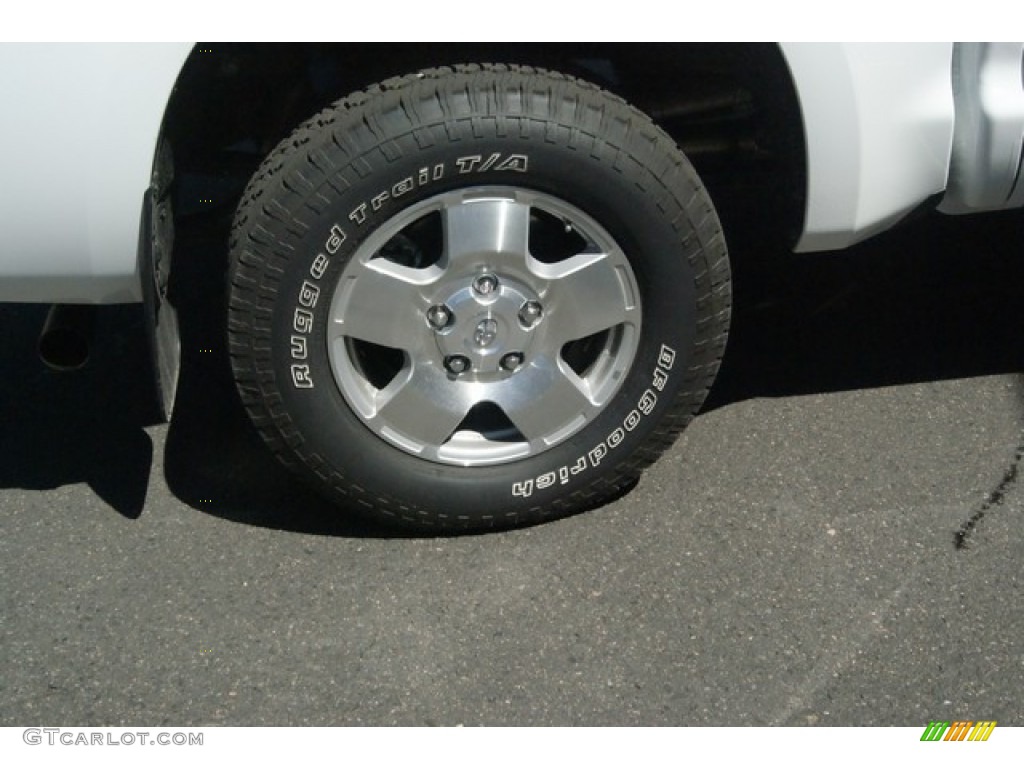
x=584 y=146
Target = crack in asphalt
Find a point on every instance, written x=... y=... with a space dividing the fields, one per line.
x=995 y=498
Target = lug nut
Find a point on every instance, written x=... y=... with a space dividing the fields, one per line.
x=439 y=317
x=485 y=285
x=512 y=361
x=456 y=364
x=530 y=313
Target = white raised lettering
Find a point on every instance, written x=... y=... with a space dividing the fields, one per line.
x=666 y=357
x=597 y=453
x=632 y=419
x=405 y=185
x=319 y=266
x=337 y=237
x=301 y=377
x=546 y=480
x=468 y=164
x=647 y=402
x=308 y=294
x=523 y=489
x=303 y=321
x=359 y=214
x=513 y=163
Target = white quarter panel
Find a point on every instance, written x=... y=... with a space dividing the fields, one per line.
x=78 y=130
x=878 y=118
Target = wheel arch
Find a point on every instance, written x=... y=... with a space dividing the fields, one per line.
x=732 y=108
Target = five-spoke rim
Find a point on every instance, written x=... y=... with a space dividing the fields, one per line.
x=483 y=325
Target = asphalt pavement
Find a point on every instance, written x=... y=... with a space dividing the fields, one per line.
x=836 y=540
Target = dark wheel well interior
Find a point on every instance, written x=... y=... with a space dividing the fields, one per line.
x=730 y=107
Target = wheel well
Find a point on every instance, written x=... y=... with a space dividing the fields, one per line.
x=732 y=108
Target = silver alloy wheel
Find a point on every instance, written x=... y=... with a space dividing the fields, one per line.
x=483 y=325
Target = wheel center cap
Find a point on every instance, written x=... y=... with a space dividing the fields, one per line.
x=484 y=327
x=486 y=332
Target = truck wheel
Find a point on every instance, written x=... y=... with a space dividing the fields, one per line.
x=476 y=297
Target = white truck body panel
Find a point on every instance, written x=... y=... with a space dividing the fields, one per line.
x=78 y=133
x=878 y=120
